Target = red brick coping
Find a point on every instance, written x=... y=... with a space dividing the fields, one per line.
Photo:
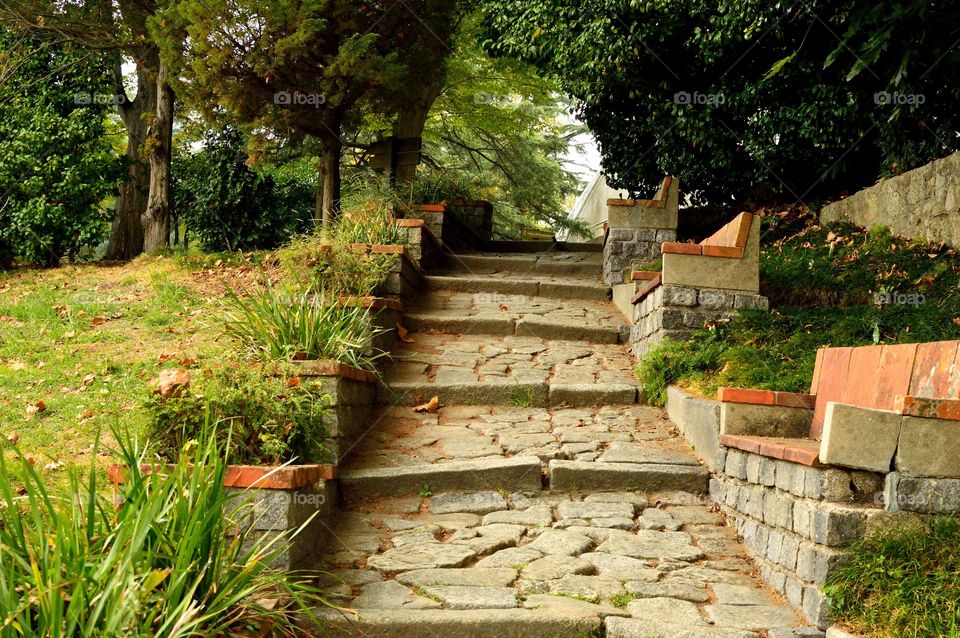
x=269 y=477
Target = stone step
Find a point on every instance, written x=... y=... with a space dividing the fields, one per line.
x=541 y=246
x=505 y=391
x=544 y=286
x=470 y=623
x=496 y=314
x=514 y=473
x=592 y=475
x=580 y=265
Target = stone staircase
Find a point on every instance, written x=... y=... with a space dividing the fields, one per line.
x=541 y=499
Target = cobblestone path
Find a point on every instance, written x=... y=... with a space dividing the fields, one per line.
x=541 y=499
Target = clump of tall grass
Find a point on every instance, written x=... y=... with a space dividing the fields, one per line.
x=173 y=559
x=274 y=323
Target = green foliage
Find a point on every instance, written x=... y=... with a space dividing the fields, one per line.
x=367 y=208
x=901 y=582
x=229 y=206
x=273 y=324
x=261 y=418
x=56 y=164
x=499 y=132
x=160 y=564
x=824 y=284
x=748 y=101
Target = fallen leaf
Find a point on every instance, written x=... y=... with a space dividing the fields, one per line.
x=70 y=335
x=404 y=334
x=504 y=308
x=188 y=363
x=293 y=382
x=97 y=321
x=13 y=437
x=172 y=382
x=164 y=357
x=430 y=406
x=6 y=318
x=17 y=366
x=54 y=466
x=90 y=378
x=87 y=414
x=35 y=408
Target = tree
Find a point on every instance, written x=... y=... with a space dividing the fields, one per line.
x=292 y=68
x=745 y=101
x=498 y=131
x=119 y=28
x=56 y=166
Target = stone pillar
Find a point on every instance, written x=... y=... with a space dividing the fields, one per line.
x=636 y=228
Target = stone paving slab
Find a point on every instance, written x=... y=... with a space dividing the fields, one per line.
x=406 y=560
x=582 y=265
x=506 y=283
x=638 y=434
x=498 y=314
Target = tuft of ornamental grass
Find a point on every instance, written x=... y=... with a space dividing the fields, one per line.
x=902 y=582
x=172 y=558
x=283 y=324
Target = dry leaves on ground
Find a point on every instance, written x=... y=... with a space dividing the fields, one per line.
x=430 y=406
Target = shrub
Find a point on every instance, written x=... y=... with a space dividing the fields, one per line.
x=56 y=162
x=902 y=582
x=285 y=324
x=174 y=559
x=230 y=206
x=367 y=213
x=262 y=419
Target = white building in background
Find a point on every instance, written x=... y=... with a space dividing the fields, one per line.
x=591 y=208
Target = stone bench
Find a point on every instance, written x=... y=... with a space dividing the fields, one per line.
x=876 y=408
x=698 y=284
x=636 y=228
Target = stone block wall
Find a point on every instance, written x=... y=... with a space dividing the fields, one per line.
x=626 y=247
x=675 y=311
x=797 y=520
x=422 y=245
x=476 y=215
x=922 y=203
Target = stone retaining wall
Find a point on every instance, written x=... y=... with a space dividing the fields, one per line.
x=922 y=203
x=795 y=519
x=626 y=247
x=675 y=311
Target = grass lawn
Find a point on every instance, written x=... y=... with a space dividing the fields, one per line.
x=80 y=345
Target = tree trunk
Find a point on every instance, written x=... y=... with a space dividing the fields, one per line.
x=328 y=182
x=156 y=218
x=411 y=119
x=126 y=234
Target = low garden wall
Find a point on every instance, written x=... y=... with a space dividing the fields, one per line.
x=797 y=518
x=922 y=203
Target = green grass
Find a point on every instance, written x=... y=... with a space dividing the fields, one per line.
x=522 y=397
x=822 y=284
x=87 y=341
x=902 y=583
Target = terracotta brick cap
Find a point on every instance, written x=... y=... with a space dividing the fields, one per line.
x=795 y=400
x=802 y=451
x=334 y=369
x=746 y=395
x=432 y=208
x=644 y=275
x=288 y=477
x=946 y=409
x=411 y=223
x=729 y=252
x=647 y=289
x=681 y=249
x=388 y=249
